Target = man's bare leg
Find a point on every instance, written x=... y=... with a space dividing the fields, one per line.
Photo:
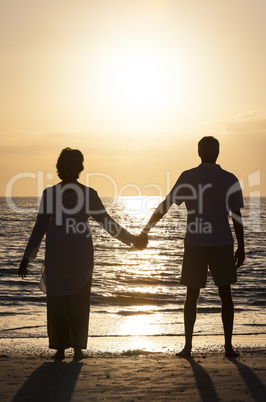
x=228 y=319
x=190 y=313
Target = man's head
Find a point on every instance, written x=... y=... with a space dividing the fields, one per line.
x=208 y=149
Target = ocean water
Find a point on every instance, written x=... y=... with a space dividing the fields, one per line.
x=134 y=292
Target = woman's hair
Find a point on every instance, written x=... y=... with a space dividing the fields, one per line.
x=69 y=164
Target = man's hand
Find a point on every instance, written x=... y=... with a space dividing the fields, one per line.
x=142 y=241
x=239 y=231
x=239 y=257
x=22 y=271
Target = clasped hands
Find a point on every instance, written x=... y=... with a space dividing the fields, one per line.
x=141 y=241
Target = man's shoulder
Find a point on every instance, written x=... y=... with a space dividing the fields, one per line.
x=228 y=175
x=189 y=172
x=204 y=171
x=188 y=175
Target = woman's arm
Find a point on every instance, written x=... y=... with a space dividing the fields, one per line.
x=113 y=228
x=38 y=231
x=101 y=216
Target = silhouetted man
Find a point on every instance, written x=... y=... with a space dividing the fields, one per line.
x=209 y=193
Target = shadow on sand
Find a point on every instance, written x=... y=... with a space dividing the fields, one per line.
x=206 y=386
x=203 y=382
x=52 y=381
x=253 y=383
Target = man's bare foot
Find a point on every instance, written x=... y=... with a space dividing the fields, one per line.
x=60 y=354
x=79 y=355
x=186 y=352
x=230 y=352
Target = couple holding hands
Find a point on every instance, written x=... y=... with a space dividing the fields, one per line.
x=209 y=193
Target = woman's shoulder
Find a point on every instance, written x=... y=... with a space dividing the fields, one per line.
x=51 y=189
x=64 y=186
x=75 y=188
x=89 y=192
x=89 y=189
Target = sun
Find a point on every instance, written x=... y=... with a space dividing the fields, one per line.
x=137 y=83
x=140 y=81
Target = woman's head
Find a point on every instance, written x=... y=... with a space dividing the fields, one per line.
x=69 y=164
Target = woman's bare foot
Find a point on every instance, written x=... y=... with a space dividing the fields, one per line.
x=186 y=352
x=60 y=354
x=230 y=352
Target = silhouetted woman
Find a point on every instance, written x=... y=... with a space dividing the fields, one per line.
x=67 y=271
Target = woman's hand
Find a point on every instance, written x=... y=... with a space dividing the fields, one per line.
x=239 y=257
x=22 y=271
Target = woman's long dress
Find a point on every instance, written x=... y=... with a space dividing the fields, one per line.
x=67 y=270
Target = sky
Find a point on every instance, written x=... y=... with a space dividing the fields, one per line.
x=133 y=84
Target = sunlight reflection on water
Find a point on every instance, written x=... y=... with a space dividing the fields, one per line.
x=134 y=292
x=140 y=325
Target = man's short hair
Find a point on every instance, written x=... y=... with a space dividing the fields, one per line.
x=208 y=149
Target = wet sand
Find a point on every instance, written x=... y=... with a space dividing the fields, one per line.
x=115 y=369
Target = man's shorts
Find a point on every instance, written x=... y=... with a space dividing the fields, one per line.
x=197 y=260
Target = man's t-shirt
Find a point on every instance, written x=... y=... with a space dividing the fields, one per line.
x=209 y=193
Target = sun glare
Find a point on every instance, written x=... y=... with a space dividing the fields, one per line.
x=136 y=83
x=136 y=86
x=140 y=81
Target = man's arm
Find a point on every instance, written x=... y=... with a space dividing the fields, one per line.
x=160 y=211
x=239 y=231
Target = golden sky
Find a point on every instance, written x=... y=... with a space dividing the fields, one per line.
x=133 y=84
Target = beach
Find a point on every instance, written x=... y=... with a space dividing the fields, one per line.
x=112 y=372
